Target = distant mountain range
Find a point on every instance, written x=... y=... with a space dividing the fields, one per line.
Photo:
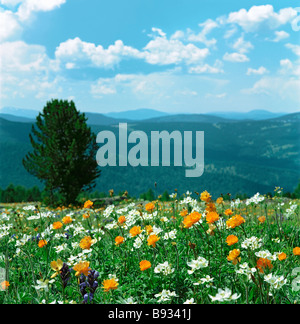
x=146 y=115
x=247 y=156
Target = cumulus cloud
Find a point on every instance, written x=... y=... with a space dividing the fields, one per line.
x=206 y=68
x=280 y=35
x=201 y=37
x=242 y=46
x=28 y=7
x=260 y=71
x=163 y=51
x=235 y=57
x=258 y=16
x=9 y=25
x=294 y=48
x=75 y=51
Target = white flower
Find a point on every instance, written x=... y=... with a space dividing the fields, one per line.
x=165 y=295
x=264 y=254
x=197 y=264
x=190 y=301
x=252 y=243
x=275 y=282
x=164 y=268
x=224 y=296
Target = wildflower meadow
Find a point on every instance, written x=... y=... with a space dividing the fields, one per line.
x=194 y=249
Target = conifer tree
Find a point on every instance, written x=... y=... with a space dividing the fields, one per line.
x=64 y=151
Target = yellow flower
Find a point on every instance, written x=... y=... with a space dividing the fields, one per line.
x=82 y=268
x=149 y=229
x=88 y=204
x=110 y=284
x=234 y=256
x=220 y=200
x=56 y=266
x=67 y=220
x=144 y=265
x=205 y=196
x=86 y=243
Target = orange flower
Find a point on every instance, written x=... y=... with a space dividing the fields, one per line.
x=67 y=220
x=262 y=219
x=88 y=204
x=191 y=219
x=150 y=207
x=152 y=239
x=110 y=284
x=82 y=268
x=5 y=285
x=42 y=243
x=86 y=243
x=211 y=207
x=57 y=225
x=220 y=200
x=212 y=217
x=235 y=221
x=86 y=216
x=228 y=212
x=231 y=240
x=234 y=256
x=144 y=265
x=205 y=196
x=296 y=250
x=263 y=263
x=184 y=212
x=136 y=230
x=281 y=256
x=122 y=220
x=149 y=229
x=119 y=240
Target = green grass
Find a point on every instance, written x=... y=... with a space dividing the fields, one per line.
x=25 y=262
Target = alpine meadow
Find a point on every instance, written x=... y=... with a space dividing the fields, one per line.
x=150 y=155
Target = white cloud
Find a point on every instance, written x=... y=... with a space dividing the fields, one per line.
x=294 y=48
x=260 y=71
x=163 y=51
x=75 y=51
x=242 y=46
x=280 y=35
x=201 y=37
x=9 y=25
x=282 y=87
x=27 y=7
x=235 y=57
x=258 y=16
x=205 y=68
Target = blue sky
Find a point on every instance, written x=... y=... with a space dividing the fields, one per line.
x=194 y=56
